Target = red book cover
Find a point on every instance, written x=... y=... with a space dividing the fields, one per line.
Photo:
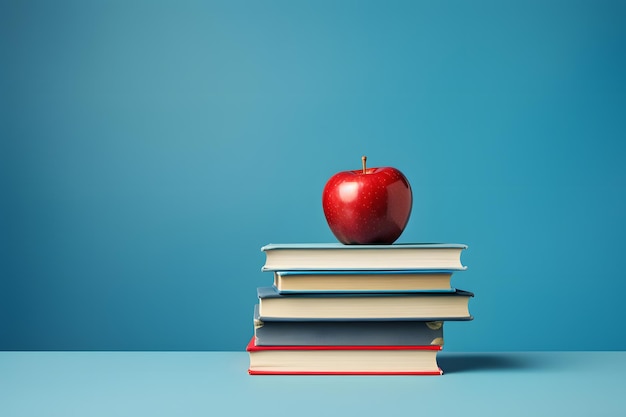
x=280 y=370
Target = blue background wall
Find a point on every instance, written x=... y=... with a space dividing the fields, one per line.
x=149 y=149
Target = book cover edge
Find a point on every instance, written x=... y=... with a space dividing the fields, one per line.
x=336 y=245
x=252 y=347
x=272 y=292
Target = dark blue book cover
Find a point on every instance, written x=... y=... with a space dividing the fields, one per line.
x=347 y=333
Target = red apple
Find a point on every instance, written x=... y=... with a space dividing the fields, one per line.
x=368 y=205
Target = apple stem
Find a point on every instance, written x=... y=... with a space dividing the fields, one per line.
x=363 y=159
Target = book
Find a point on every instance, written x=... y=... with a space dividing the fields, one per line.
x=430 y=306
x=336 y=256
x=343 y=360
x=362 y=281
x=357 y=333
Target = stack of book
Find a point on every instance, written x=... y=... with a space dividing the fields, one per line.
x=356 y=309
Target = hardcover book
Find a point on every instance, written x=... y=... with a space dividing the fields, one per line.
x=362 y=281
x=357 y=333
x=343 y=360
x=431 y=306
x=336 y=256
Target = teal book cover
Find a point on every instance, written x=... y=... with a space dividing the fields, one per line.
x=363 y=306
x=325 y=281
x=336 y=256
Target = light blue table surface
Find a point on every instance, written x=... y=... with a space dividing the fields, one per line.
x=217 y=383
